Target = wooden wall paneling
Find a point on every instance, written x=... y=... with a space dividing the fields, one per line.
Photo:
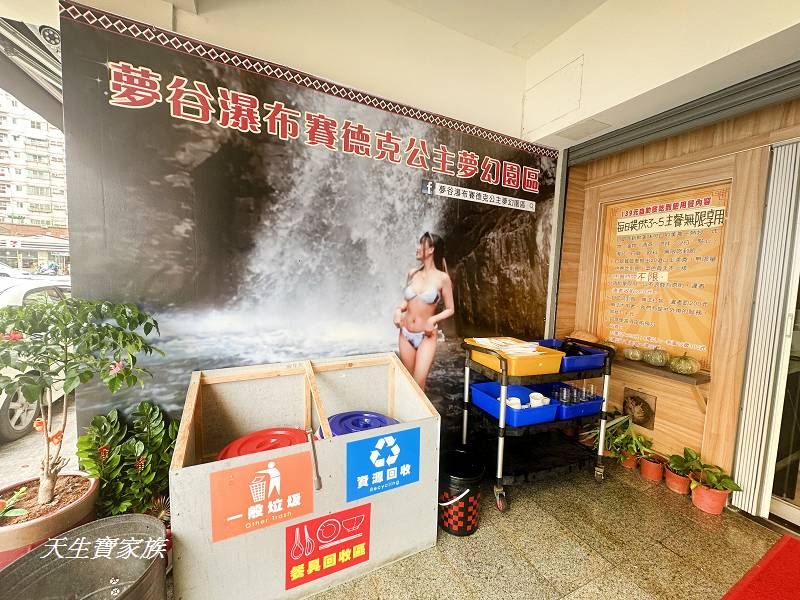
x=570 y=250
x=762 y=127
x=734 y=303
x=679 y=420
x=590 y=236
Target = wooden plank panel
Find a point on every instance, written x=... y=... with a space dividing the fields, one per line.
x=734 y=303
x=184 y=453
x=679 y=420
x=570 y=251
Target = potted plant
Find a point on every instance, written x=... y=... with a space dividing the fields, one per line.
x=679 y=468
x=711 y=487
x=592 y=436
x=628 y=445
x=651 y=466
x=63 y=344
x=131 y=462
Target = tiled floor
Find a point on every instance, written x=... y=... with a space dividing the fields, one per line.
x=567 y=537
x=577 y=539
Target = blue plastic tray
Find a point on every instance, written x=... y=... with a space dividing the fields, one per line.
x=568 y=411
x=485 y=396
x=594 y=360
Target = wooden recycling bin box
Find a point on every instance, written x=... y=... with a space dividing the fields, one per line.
x=256 y=526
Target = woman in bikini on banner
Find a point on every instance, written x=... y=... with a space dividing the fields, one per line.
x=416 y=317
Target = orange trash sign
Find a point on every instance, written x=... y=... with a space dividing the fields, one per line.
x=260 y=494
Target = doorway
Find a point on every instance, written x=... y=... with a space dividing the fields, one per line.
x=785 y=502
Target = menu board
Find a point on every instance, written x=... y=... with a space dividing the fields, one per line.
x=661 y=259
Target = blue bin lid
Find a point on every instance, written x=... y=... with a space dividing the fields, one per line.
x=358 y=420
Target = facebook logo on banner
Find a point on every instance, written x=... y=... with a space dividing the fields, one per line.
x=382 y=463
x=427 y=187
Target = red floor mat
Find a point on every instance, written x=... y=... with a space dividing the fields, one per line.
x=775 y=577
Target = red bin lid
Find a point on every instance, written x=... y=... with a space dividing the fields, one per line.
x=264 y=439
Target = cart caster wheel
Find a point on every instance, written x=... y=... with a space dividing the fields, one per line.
x=599 y=473
x=502 y=502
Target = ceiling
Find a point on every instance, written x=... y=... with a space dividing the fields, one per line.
x=519 y=27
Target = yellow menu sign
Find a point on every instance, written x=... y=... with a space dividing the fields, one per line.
x=661 y=259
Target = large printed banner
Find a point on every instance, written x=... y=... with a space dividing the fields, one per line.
x=268 y=215
x=661 y=271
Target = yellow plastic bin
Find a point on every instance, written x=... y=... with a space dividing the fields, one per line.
x=522 y=360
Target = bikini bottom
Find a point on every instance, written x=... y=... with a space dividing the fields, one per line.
x=414 y=337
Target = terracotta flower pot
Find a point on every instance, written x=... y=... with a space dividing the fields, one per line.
x=629 y=461
x=709 y=500
x=16 y=540
x=651 y=469
x=677 y=483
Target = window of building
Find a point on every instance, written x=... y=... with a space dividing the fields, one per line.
x=36 y=125
x=18 y=171
x=37 y=190
x=36 y=207
x=3 y=188
x=18 y=187
x=15 y=138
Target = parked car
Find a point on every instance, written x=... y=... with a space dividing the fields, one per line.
x=16 y=413
x=6 y=271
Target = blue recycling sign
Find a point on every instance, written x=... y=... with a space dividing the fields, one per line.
x=381 y=463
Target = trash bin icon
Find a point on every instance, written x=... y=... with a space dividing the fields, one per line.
x=258 y=488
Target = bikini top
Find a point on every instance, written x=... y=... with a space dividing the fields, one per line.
x=431 y=297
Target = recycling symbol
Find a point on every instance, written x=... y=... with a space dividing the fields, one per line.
x=386 y=452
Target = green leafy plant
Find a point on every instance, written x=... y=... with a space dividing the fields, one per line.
x=66 y=344
x=131 y=461
x=714 y=477
x=685 y=464
x=7 y=506
x=628 y=442
x=612 y=428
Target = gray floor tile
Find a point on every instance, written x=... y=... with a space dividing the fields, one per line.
x=613 y=585
x=488 y=562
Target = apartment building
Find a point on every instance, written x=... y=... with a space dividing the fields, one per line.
x=32 y=177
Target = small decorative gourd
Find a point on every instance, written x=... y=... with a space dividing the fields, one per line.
x=611 y=345
x=685 y=365
x=633 y=353
x=656 y=357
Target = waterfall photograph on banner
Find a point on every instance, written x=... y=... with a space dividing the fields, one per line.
x=266 y=215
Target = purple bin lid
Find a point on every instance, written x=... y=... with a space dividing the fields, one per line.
x=358 y=420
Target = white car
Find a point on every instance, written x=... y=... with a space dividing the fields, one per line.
x=16 y=413
x=6 y=271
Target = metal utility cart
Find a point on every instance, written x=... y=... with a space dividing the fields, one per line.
x=504 y=379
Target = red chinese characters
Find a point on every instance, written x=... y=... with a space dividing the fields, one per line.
x=467 y=165
x=356 y=139
x=133 y=87
x=490 y=170
x=417 y=153
x=321 y=130
x=530 y=179
x=140 y=87
x=443 y=160
x=282 y=121
x=239 y=111
x=387 y=146
x=190 y=104
x=511 y=175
